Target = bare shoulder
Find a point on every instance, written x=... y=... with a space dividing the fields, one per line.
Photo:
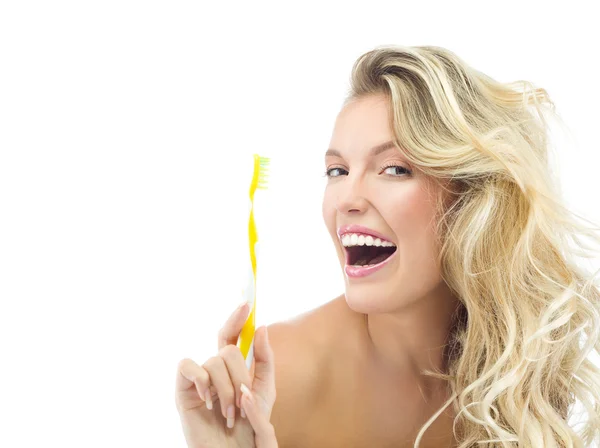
x=301 y=348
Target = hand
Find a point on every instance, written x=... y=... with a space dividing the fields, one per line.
x=207 y=396
x=257 y=408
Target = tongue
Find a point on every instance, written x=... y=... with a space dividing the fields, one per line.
x=379 y=258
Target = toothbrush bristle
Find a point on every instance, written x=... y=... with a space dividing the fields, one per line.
x=263 y=172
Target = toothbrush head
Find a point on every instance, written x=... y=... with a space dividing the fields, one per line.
x=260 y=179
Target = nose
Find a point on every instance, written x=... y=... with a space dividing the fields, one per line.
x=351 y=198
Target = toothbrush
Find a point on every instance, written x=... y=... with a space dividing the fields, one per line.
x=246 y=339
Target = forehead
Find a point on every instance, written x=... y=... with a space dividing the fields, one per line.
x=372 y=110
x=362 y=124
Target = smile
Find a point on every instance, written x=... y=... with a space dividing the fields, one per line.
x=366 y=251
x=363 y=271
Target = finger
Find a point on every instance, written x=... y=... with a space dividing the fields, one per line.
x=191 y=374
x=264 y=433
x=263 y=384
x=186 y=372
x=219 y=377
x=236 y=366
x=229 y=333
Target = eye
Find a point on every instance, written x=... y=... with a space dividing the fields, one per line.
x=397 y=171
x=330 y=171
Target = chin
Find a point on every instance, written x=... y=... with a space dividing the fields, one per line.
x=370 y=298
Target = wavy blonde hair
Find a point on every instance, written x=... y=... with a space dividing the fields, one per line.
x=529 y=316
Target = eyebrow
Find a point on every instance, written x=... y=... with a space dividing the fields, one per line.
x=376 y=150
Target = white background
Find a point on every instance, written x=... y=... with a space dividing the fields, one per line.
x=125 y=135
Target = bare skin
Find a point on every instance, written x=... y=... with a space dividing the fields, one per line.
x=331 y=393
x=348 y=372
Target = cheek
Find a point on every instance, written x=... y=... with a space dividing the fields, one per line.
x=324 y=208
x=410 y=215
x=412 y=222
x=328 y=211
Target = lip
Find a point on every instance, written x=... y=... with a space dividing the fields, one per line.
x=355 y=228
x=359 y=271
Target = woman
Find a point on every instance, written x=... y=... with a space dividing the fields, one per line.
x=463 y=309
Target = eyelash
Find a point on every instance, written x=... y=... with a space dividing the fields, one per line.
x=406 y=170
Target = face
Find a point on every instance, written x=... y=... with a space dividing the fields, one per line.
x=377 y=196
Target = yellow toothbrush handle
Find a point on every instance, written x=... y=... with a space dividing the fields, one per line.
x=246 y=338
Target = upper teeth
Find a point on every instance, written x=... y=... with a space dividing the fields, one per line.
x=356 y=239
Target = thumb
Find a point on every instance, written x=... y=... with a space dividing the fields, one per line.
x=263 y=384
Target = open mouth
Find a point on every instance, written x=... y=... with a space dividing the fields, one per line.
x=364 y=250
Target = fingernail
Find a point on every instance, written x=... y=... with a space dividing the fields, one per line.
x=242 y=305
x=230 y=416
x=243 y=413
x=208 y=399
x=246 y=391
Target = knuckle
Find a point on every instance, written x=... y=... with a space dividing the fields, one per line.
x=230 y=352
x=184 y=364
x=211 y=362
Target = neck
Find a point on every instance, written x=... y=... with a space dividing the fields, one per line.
x=410 y=339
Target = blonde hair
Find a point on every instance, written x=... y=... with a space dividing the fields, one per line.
x=517 y=355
